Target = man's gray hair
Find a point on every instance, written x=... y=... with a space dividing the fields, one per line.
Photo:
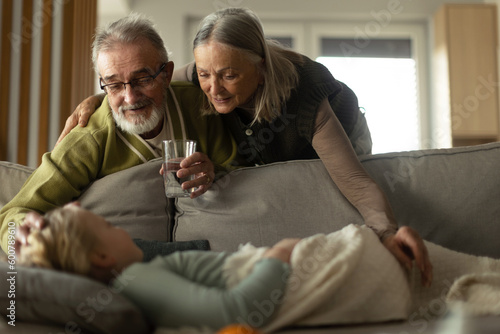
x=129 y=29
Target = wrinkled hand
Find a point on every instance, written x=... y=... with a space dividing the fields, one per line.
x=200 y=165
x=81 y=114
x=33 y=220
x=407 y=245
x=282 y=250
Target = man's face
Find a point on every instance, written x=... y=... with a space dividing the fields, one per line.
x=136 y=110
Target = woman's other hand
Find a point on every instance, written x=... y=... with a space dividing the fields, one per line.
x=407 y=245
x=200 y=165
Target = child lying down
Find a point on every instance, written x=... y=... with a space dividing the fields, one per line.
x=347 y=276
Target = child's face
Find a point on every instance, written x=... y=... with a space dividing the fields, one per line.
x=112 y=241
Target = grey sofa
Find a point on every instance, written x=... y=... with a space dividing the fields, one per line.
x=450 y=196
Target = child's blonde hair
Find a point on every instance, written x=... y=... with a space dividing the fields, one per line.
x=64 y=244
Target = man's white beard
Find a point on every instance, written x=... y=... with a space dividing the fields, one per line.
x=140 y=124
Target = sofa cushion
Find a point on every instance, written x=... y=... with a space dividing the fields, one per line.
x=75 y=302
x=449 y=195
x=133 y=199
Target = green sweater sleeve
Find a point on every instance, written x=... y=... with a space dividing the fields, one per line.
x=193 y=293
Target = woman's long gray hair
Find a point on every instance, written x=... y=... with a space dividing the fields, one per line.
x=241 y=29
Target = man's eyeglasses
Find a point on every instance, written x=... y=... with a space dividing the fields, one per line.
x=146 y=82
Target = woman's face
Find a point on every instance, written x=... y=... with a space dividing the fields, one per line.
x=226 y=75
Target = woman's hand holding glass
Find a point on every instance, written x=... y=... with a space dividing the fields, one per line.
x=199 y=165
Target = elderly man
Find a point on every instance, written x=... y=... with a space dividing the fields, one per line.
x=140 y=110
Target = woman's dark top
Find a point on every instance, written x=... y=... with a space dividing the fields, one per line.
x=289 y=136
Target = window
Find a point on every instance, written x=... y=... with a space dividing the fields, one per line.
x=383 y=76
x=384 y=65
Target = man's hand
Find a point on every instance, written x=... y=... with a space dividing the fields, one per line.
x=407 y=245
x=81 y=114
x=200 y=165
x=33 y=220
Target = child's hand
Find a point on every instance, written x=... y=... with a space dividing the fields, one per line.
x=282 y=250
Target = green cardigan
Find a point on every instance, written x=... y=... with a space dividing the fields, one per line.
x=100 y=149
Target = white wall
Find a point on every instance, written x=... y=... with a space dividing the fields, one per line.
x=172 y=16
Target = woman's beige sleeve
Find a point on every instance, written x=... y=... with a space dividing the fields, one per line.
x=335 y=150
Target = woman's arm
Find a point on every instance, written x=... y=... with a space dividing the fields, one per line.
x=333 y=147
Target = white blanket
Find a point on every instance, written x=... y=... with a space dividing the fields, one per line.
x=461 y=281
x=349 y=277
x=476 y=294
x=344 y=277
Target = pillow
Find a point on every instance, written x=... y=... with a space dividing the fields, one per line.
x=450 y=196
x=80 y=302
x=133 y=199
x=13 y=177
x=53 y=297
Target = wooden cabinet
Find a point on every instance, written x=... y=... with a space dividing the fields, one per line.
x=466 y=71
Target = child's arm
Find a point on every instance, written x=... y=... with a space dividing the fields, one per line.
x=171 y=300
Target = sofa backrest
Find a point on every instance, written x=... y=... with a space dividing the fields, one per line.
x=451 y=196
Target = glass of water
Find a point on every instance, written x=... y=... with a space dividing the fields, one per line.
x=174 y=151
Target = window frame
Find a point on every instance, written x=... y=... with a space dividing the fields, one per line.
x=295 y=30
x=416 y=32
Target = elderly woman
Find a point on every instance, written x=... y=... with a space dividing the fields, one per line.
x=281 y=105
